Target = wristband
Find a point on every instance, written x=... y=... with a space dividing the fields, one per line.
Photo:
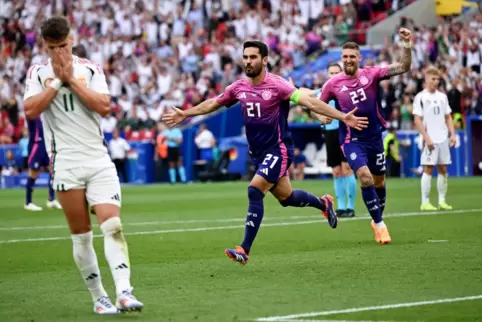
x=407 y=44
x=56 y=84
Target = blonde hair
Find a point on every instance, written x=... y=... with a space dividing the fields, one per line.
x=433 y=71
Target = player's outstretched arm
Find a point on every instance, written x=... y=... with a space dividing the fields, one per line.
x=405 y=62
x=178 y=115
x=320 y=107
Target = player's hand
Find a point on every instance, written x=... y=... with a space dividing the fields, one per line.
x=56 y=64
x=355 y=122
x=453 y=141
x=405 y=34
x=175 y=117
x=67 y=68
x=429 y=143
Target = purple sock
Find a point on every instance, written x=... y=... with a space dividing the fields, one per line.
x=382 y=195
x=300 y=198
x=51 y=190
x=29 y=190
x=254 y=218
x=371 y=202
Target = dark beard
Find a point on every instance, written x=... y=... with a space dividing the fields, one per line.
x=253 y=73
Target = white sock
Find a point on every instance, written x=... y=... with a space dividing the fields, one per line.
x=381 y=225
x=86 y=260
x=442 y=180
x=116 y=253
x=426 y=183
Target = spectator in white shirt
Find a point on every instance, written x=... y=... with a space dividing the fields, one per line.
x=118 y=148
x=205 y=142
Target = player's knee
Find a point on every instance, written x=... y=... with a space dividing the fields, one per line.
x=442 y=169
x=254 y=194
x=33 y=173
x=80 y=229
x=366 y=179
x=428 y=169
x=337 y=172
x=379 y=181
x=111 y=227
x=346 y=170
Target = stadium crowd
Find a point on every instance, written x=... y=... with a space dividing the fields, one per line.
x=180 y=52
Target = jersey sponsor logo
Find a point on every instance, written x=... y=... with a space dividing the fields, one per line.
x=48 y=81
x=82 y=80
x=363 y=80
x=266 y=95
x=344 y=88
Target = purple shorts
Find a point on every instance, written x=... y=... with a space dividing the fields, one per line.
x=274 y=163
x=366 y=153
x=38 y=157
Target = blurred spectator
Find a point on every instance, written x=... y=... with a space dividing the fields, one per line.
x=406 y=109
x=118 y=148
x=297 y=168
x=205 y=142
x=10 y=167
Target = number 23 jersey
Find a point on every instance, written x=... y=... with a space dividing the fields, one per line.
x=72 y=131
x=362 y=92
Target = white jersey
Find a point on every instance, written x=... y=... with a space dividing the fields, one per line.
x=72 y=131
x=432 y=108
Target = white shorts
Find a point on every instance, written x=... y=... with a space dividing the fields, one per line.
x=101 y=183
x=439 y=155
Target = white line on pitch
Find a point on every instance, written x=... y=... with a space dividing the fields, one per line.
x=294 y=223
x=295 y=317
x=296 y=320
x=200 y=221
x=438 y=241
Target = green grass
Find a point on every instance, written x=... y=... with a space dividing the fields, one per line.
x=303 y=266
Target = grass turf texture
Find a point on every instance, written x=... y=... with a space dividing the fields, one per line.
x=177 y=235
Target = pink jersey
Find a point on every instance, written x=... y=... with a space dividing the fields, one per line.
x=265 y=110
x=361 y=92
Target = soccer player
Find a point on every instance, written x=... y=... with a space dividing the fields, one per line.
x=37 y=158
x=265 y=102
x=71 y=95
x=432 y=118
x=357 y=88
x=343 y=177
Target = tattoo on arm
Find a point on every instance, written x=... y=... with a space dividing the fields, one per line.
x=403 y=65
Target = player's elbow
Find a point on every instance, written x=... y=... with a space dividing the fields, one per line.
x=29 y=111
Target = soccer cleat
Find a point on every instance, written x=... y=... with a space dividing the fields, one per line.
x=347 y=213
x=444 y=206
x=382 y=236
x=32 y=207
x=104 y=306
x=54 y=204
x=427 y=207
x=126 y=302
x=238 y=255
x=340 y=212
x=329 y=213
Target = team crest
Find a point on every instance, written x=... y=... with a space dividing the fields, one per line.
x=47 y=82
x=82 y=80
x=353 y=156
x=363 y=80
x=266 y=95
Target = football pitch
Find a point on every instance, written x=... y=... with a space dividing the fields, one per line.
x=299 y=270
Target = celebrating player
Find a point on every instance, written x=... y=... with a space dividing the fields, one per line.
x=37 y=158
x=357 y=88
x=432 y=118
x=265 y=101
x=343 y=177
x=71 y=95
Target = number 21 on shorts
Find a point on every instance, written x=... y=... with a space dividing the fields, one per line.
x=268 y=158
x=381 y=160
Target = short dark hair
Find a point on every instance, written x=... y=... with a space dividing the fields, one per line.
x=351 y=45
x=334 y=65
x=262 y=47
x=55 y=28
